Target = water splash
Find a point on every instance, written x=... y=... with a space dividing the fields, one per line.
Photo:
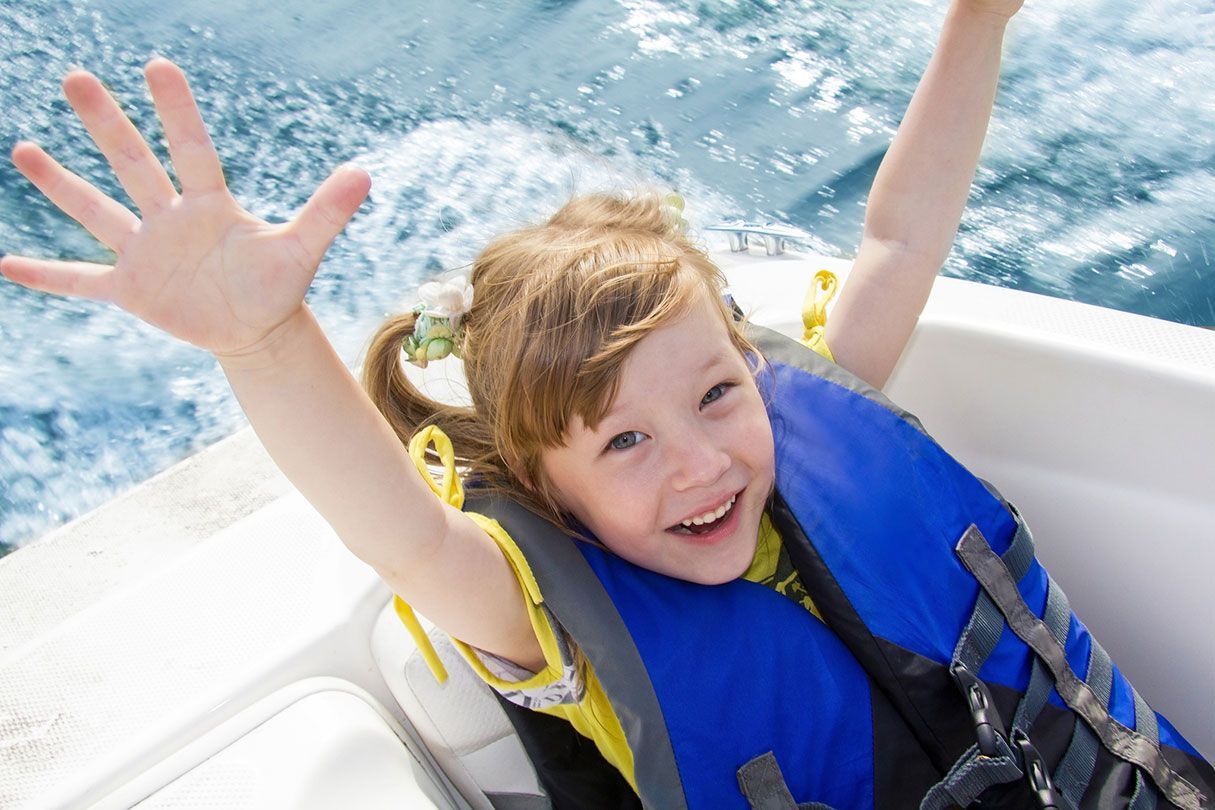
x=1096 y=181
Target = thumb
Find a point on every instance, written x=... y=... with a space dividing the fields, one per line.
x=329 y=209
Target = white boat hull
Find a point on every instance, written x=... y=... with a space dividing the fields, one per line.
x=143 y=646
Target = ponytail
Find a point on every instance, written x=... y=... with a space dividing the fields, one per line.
x=408 y=410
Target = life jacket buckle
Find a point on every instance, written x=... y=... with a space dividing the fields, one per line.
x=988 y=725
x=1036 y=772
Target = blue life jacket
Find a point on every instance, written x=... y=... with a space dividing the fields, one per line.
x=948 y=669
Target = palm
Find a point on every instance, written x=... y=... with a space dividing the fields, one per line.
x=197 y=264
x=210 y=273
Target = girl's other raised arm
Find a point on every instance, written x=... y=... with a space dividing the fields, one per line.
x=197 y=265
x=919 y=192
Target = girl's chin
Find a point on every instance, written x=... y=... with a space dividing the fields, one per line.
x=728 y=571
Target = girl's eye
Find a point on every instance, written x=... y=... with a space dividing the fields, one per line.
x=624 y=441
x=715 y=393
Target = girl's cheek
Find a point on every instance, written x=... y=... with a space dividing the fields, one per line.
x=754 y=422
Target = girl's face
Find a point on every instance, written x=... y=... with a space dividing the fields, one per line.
x=687 y=439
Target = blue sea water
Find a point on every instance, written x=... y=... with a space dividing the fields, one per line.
x=476 y=117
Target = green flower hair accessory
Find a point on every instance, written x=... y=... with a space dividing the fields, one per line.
x=437 y=332
x=675 y=202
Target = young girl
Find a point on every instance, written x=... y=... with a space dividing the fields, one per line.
x=614 y=394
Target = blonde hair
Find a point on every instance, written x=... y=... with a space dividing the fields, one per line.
x=557 y=308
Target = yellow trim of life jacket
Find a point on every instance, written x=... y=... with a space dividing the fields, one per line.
x=814 y=312
x=593 y=716
x=450 y=491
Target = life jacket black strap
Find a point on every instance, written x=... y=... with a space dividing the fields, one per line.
x=973 y=773
x=983 y=630
x=991 y=761
x=1075 y=769
x=762 y=782
x=1144 y=797
x=1057 y=617
x=1132 y=747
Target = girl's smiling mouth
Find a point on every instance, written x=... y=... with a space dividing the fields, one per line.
x=708 y=522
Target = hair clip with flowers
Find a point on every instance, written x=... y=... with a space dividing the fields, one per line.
x=437 y=329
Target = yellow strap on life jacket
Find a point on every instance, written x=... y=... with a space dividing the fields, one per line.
x=814 y=312
x=450 y=491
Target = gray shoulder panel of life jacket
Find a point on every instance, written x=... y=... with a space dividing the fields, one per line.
x=572 y=591
x=778 y=348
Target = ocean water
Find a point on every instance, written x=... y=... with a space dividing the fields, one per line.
x=477 y=117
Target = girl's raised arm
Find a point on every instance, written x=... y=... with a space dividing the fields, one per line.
x=919 y=192
x=203 y=269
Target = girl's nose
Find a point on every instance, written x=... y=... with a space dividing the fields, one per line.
x=699 y=463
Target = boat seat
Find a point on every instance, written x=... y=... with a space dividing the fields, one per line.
x=460 y=721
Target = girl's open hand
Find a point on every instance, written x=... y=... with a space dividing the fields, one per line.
x=197 y=265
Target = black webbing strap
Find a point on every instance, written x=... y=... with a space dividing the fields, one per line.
x=972 y=774
x=1144 y=797
x=1122 y=742
x=983 y=630
x=993 y=761
x=1057 y=617
x=1075 y=769
x=762 y=782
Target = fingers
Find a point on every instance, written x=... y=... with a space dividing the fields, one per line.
x=194 y=158
x=62 y=278
x=128 y=154
x=329 y=209
x=110 y=222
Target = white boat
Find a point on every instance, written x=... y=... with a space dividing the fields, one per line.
x=206 y=641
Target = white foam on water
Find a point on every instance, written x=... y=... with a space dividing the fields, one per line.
x=1095 y=184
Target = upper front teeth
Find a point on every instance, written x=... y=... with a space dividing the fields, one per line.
x=709 y=517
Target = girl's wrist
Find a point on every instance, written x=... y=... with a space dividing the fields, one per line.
x=278 y=346
x=968 y=27
x=987 y=14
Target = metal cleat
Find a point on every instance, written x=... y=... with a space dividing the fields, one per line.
x=774 y=235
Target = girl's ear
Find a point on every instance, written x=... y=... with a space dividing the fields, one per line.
x=537 y=486
x=519 y=471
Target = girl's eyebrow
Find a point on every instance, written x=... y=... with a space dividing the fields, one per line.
x=715 y=359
